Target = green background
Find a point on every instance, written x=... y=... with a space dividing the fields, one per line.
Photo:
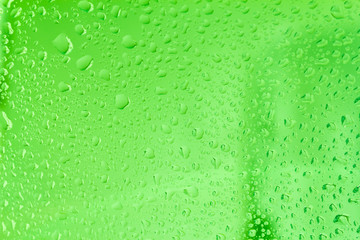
x=180 y=119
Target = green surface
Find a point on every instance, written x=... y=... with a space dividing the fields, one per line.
x=180 y=120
